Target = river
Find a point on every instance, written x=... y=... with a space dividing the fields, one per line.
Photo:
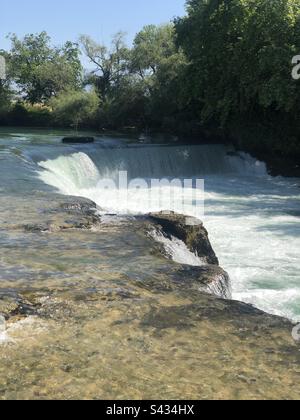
x=252 y=218
x=104 y=306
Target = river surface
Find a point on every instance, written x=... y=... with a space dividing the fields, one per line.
x=252 y=218
x=104 y=306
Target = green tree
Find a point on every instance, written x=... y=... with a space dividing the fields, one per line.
x=41 y=71
x=240 y=54
x=110 y=64
x=75 y=108
x=5 y=100
x=151 y=45
x=121 y=92
x=5 y=89
x=125 y=106
x=160 y=65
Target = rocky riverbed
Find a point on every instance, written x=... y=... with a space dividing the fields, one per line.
x=95 y=308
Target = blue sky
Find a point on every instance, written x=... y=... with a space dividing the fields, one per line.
x=66 y=19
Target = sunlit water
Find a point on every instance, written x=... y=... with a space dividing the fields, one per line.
x=252 y=218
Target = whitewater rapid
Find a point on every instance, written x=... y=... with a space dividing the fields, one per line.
x=252 y=218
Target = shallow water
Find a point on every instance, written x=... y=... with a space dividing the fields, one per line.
x=107 y=321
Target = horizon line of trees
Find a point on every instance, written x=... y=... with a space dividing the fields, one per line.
x=223 y=69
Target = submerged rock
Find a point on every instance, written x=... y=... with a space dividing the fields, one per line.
x=248 y=321
x=71 y=214
x=8 y=305
x=79 y=206
x=15 y=306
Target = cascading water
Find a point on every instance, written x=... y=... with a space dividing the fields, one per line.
x=71 y=174
x=177 y=249
x=252 y=218
x=166 y=161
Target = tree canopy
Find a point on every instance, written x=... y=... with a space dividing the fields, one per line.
x=41 y=71
x=240 y=54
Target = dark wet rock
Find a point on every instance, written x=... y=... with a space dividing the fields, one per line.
x=16 y=307
x=75 y=214
x=209 y=278
x=177 y=277
x=80 y=206
x=24 y=310
x=7 y=306
x=52 y=227
x=36 y=228
x=279 y=165
x=240 y=315
x=189 y=230
x=57 y=308
x=78 y=140
x=170 y=317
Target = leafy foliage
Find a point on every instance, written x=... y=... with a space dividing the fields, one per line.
x=41 y=71
x=240 y=54
x=110 y=65
x=75 y=108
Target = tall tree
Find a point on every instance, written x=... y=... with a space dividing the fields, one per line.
x=5 y=88
x=41 y=71
x=160 y=65
x=151 y=45
x=240 y=55
x=110 y=64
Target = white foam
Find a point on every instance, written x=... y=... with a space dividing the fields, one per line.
x=77 y=175
x=177 y=249
x=277 y=302
x=257 y=239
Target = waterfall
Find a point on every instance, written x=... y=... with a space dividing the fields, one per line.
x=151 y=162
x=80 y=174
